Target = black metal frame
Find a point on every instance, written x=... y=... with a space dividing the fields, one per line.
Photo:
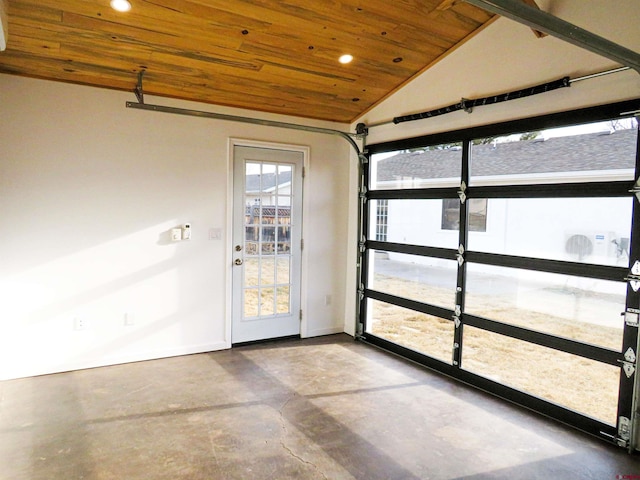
x=595 y=189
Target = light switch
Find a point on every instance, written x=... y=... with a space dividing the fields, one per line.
x=176 y=234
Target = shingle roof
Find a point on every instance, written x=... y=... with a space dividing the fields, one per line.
x=580 y=153
x=268 y=181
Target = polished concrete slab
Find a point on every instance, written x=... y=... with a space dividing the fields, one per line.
x=326 y=408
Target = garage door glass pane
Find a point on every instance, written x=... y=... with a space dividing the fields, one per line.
x=424 y=333
x=425 y=279
x=603 y=151
x=412 y=222
x=577 y=308
x=583 y=385
x=429 y=167
x=585 y=230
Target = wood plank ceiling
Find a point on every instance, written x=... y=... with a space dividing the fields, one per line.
x=278 y=56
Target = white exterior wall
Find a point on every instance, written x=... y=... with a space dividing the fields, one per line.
x=525 y=227
x=88 y=193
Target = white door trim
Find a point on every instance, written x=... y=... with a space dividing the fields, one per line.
x=242 y=142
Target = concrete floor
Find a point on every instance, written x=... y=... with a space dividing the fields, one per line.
x=327 y=408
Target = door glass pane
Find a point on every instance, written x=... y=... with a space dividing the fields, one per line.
x=428 y=167
x=585 y=230
x=595 y=152
x=251 y=273
x=283 y=201
x=252 y=177
x=251 y=303
x=284 y=182
x=418 y=331
x=413 y=222
x=425 y=279
x=268 y=176
x=577 y=308
x=268 y=239
x=283 y=304
x=580 y=384
x=284 y=272
x=267 y=272
x=267 y=301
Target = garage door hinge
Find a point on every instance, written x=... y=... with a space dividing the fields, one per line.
x=302 y=244
x=460 y=255
x=634 y=276
x=629 y=362
x=624 y=432
x=462 y=192
x=636 y=189
x=300 y=314
x=304 y=172
x=631 y=316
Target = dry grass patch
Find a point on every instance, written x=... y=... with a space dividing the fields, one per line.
x=575 y=382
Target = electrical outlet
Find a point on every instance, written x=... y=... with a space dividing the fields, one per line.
x=79 y=324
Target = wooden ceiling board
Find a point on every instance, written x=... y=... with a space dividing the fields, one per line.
x=266 y=55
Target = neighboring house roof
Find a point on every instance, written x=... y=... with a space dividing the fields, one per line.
x=269 y=181
x=579 y=153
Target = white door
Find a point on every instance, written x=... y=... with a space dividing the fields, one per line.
x=267 y=234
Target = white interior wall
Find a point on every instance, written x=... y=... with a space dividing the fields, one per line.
x=88 y=192
x=506 y=56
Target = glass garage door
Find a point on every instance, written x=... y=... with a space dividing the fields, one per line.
x=509 y=262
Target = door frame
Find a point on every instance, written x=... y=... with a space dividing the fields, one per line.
x=228 y=240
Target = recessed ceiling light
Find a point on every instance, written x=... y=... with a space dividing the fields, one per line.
x=346 y=58
x=120 y=5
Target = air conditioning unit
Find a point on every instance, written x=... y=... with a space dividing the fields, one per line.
x=4 y=25
x=581 y=245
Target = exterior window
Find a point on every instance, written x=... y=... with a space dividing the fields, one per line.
x=477 y=214
x=382 y=216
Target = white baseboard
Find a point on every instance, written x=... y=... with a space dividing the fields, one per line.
x=324 y=331
x=15 y=373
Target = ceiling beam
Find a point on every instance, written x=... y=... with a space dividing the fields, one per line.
x=520 y=12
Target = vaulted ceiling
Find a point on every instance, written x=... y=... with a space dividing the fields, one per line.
x=278 y=56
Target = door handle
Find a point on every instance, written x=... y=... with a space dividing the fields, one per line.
x=238 y=261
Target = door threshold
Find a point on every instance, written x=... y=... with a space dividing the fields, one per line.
x=266 y=340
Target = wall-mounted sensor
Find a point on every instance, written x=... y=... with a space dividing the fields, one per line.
x=186 y=231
